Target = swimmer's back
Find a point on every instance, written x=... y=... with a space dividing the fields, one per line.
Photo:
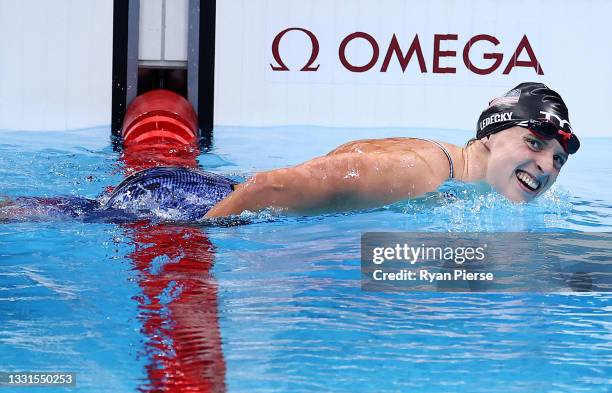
x=437 y=155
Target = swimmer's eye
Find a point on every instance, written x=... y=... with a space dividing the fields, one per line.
x=534 y=144
x=559 y=161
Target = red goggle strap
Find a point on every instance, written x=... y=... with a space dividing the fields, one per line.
x=565 y=136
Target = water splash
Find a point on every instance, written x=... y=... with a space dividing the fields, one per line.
x=464 y=207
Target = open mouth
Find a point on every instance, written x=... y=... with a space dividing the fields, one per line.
x=527 y=180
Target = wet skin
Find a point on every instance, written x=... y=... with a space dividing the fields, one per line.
x=370 y=173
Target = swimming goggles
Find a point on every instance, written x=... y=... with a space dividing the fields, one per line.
x=546 y=129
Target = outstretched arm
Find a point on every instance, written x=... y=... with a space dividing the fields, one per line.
x=337 y=182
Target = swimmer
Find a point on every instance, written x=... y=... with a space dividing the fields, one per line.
x=523 y=139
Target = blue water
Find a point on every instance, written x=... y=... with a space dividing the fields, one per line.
x=276 y=305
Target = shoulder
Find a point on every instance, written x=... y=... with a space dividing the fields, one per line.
x=383 y=177
x=372 y=145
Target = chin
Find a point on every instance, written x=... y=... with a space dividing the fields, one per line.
x=519 y=193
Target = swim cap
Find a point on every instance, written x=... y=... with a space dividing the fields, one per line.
x=527 y=101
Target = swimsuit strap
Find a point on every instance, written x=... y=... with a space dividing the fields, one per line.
x=450 y=160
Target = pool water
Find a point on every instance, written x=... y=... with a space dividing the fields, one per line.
x=276 y=305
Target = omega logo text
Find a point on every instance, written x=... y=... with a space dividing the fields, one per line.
x=415 y=53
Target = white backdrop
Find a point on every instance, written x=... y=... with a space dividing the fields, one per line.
x=571 y=40
x=56 y=62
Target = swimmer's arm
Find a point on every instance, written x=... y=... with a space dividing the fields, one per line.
x=332 y=183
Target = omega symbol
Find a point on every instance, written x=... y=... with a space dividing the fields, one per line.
x=313 y=54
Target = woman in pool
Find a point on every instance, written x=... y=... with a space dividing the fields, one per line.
x=523 y=139
x=522 y=142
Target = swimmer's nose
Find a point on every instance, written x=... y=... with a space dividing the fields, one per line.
x=545 y=164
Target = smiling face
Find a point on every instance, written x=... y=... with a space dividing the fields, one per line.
x=521 y=165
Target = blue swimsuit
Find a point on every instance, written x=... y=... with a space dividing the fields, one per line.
x=176 y=193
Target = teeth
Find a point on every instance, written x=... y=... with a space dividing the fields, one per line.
x=528 y=180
